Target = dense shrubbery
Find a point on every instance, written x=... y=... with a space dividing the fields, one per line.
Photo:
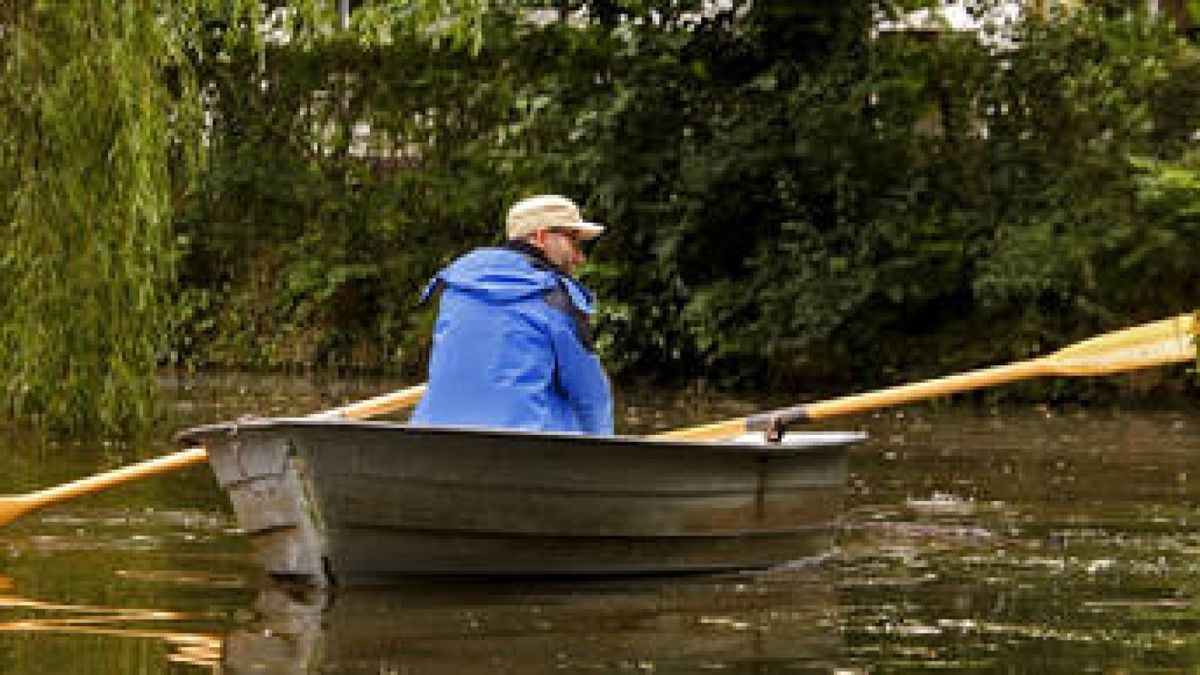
x=790 y=195
x=100 y=122
x=789 y=198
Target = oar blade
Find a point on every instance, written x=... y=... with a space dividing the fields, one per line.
x=1149 y=345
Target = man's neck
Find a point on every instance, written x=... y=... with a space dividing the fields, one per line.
x=521 y=246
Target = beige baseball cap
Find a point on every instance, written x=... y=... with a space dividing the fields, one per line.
x=548 y=212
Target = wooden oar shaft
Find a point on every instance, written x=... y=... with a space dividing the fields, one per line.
x=854 y=403
x=1154 y=344
x=1157 y=343
x=125 y=474
x=918 y=391
x=14 y=506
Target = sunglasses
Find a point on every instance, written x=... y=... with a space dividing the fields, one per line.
x=577 y=240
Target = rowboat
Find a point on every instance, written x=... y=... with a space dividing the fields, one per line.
x=327 y=501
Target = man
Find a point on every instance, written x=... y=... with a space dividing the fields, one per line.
x=511 y=346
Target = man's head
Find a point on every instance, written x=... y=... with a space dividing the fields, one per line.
x=553 y=224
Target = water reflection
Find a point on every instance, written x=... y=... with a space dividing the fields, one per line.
x=41 y=617
x=738 y=623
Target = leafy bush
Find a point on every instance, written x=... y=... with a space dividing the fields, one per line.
x=790 y=197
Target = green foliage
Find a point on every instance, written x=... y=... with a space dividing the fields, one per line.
x=101 y=130
x=1166 y=239
x=789 y=197
x=906 y=207
x=86 y=254
x=309 y=241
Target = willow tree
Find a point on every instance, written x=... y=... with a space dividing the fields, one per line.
x=96 y=99
x=87 y=247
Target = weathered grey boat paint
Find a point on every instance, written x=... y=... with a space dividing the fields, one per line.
x=361 y=502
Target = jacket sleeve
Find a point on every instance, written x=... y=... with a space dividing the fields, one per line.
x=582 y=378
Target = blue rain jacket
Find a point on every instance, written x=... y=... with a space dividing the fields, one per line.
x=511 y=349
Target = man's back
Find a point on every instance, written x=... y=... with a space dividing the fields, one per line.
x=507 y=349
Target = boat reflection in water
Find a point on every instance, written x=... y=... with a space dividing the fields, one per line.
x=782 y=619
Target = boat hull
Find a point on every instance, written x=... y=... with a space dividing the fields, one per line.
x=362 y=502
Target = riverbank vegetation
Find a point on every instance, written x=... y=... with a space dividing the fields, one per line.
x=793 y=195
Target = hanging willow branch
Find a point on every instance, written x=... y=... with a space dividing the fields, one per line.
x=96 y=96
x=87 y=254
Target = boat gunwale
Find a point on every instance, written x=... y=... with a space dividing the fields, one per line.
x=794 y=443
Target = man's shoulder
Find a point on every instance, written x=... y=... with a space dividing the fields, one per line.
x=494 y=275
x=490 y=255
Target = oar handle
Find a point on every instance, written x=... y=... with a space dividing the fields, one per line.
x=378 y=405
x=706 y=432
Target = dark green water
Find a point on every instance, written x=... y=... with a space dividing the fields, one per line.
x=1015 y=541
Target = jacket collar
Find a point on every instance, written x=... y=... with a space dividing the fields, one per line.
x=536 y=255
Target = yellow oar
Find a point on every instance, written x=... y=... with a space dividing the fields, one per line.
x=1152 y=344
x=14 y=506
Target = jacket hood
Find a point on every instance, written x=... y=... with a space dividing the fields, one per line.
x=502 y=275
